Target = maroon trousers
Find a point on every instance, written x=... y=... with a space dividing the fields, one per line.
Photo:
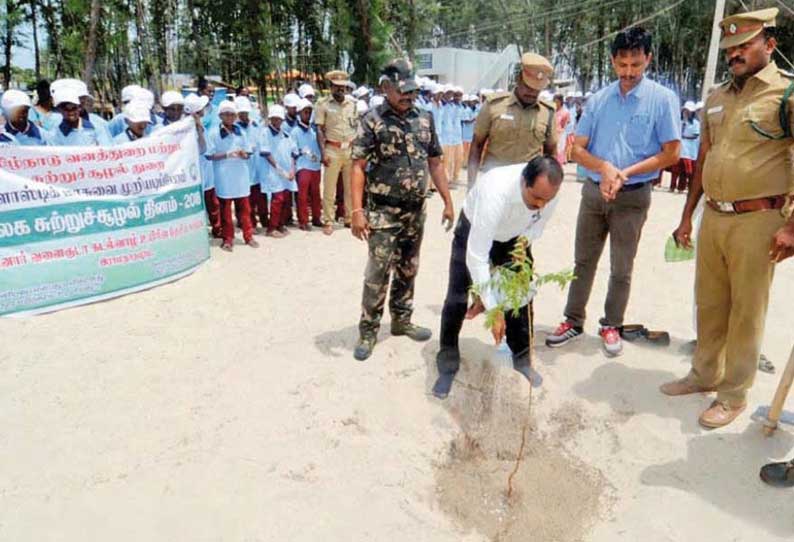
x=213 y=212
x=278 y=204
x=258 y=202
x=243 y=208
x=309 y=197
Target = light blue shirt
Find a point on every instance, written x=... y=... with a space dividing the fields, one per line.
x=118 y=124
x=288 y=125
x=125 y=137
x=454 y=126
x=251 y=131
x=232 y=178
x=305 y=149
x=32 y=136
x=84 y=136
x=690 y=147
x=48 y=121
x=439 y=120
x=628 y=129
x=469 y=116
x=278 y=145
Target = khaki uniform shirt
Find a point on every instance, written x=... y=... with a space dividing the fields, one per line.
x=515 y=133
x=339 y=120
x=741 y=163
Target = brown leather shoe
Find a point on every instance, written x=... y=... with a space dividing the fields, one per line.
x=719 y=414
x=683 y=386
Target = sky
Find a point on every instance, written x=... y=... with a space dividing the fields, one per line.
x=23 y=57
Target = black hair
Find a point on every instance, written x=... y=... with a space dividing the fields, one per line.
x=543 y=165
x=770 y=32
x=633 y=39
x=43 y=91
x=202 y=83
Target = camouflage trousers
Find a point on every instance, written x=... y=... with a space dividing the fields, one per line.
x=394 y=243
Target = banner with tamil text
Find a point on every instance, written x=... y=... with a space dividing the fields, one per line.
x=82 y=224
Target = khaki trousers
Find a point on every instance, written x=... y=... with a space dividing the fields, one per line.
x=454 y=161
x=732 y=281
x=340 y=162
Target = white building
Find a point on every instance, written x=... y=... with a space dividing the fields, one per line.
x=469 y=69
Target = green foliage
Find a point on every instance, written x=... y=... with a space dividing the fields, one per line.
x=516 y=282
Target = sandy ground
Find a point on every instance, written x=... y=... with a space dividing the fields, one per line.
x=228 y=407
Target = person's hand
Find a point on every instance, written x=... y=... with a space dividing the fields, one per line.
x=782 y=244
x=475 y=310
x=683 y=233
x=359 y=226
x=498 y=328
x=448 y=217
x=326 y=161
x=612 y=180
x=291 y=175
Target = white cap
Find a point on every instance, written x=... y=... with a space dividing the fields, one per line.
x=171 y=97
x=137 y=111
x=128 y=92
x=276 y=111
x=690 y=106
x=361 y=91
x=375 y=101
x=74 y=84
x=226 y=107
x=291 y=100
x=361 y=107
x=66 y=95
x=305 y=90
x=588 y=94
x=195 y=103
x=458 y=90
x=304 y=103
x=699 y=105
x=546 y=96
x=243 y=104
x=143 y=95
x=12 y=99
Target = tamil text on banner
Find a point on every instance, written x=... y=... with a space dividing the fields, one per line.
x=82 y=224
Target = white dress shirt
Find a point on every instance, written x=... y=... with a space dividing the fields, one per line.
x=497 y=212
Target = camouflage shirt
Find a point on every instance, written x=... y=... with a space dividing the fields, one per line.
x=397 y=149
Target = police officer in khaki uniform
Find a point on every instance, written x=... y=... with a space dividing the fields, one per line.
x=516 y=126
x=336 y=120
x=744 y=170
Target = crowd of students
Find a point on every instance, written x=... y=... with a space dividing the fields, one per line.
x=258 y=171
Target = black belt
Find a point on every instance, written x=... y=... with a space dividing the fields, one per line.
x=389 y=201
x=625 y=187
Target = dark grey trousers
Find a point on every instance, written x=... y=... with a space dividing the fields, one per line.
x=622 y=220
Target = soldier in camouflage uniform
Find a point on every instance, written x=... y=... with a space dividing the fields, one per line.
x=399 y=143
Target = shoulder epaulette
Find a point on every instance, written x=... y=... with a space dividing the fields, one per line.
x=497 y=96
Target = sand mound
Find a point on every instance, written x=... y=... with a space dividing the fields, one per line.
x=555 y=496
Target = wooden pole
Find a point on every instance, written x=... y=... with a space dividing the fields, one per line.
x=779 y=399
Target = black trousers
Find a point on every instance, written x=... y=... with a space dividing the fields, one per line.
x=456 y=302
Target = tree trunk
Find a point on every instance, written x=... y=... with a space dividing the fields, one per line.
x=90 y=51
x=8 y=41
x=34 y=20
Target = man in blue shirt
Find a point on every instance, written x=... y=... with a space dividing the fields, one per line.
x=629 y=131
x=18 y=129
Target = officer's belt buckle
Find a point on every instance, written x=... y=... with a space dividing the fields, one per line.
x=721 y=206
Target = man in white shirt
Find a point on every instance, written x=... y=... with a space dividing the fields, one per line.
x=506 y=203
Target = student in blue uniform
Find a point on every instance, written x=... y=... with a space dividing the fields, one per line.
x=18 y=129
x=250 y=127
x=196 y=107
x=136 y=115
x=467 y=123
x=291 y=103
x=211 y=119
x=117 y=124
x=229 y=150
x=307 y=154
x=86 y=107
x=278 y=169
x=173 y=107
x=42 y=113
x=74 y=130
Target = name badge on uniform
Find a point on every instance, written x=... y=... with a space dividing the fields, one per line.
x=713 y=110
x=506 y=116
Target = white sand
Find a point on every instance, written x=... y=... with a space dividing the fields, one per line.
x=228 y=407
